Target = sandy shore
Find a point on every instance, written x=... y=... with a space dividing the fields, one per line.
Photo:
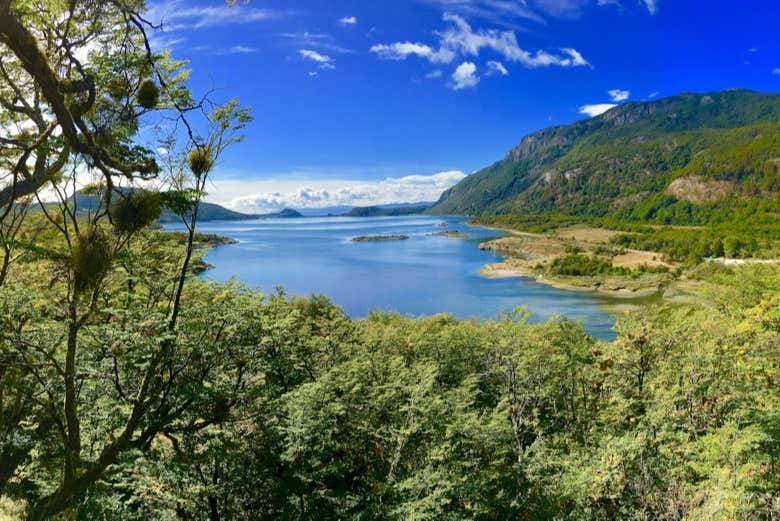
x=501 y=270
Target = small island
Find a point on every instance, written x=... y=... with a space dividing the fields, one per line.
x=376 y=238
x=452 y=233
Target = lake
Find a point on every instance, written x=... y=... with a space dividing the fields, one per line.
x=422 y=275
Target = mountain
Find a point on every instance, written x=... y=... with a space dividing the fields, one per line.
x=683 y=159
x=215 y=212
x=332 y=211
x=286 y=213
x=388 y=210
x=207 y=211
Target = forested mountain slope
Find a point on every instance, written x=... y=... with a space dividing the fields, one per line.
x=690 y=158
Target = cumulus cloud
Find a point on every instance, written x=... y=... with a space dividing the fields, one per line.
x=268 y=196
x=596 y=109
x=618 y=95
x=495 y=67
x=324 y=61
x=460 y=39
x=348 y=20
x=776 y=71
x=434 y=74
x=402 y=50
x=465 y=76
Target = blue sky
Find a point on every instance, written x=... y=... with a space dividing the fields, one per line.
x=364 y=102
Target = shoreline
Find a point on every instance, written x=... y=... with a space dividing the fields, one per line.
x=516 y=267
x=497 y=271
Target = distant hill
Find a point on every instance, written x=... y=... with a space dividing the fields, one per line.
x=690 y=158
x=287 y=213
x=207 y=211
x=333 y=211
x=215 y=212
x=386 y=211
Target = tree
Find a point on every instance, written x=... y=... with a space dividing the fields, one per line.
x=77 y=80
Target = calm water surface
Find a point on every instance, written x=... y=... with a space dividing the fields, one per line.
x=423 y=275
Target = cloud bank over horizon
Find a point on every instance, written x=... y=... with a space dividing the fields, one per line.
x=264 y=196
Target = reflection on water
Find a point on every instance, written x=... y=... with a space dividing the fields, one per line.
x=420 y=276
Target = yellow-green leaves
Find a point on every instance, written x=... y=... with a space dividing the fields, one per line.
x=90 y=258
x=200 y=160
x=136 y=210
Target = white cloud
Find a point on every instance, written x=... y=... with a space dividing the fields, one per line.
x=562 y=8
x=312 y=74
x=402 y=50
x=596 y=109
x=181 y=15
x=776 y=71
x=496 y=11
x=460 y=39
x=224 y=51
x=651 y=5
x=324 y=61
x=465 y=76
x=495 y=67
x=653 y=95
x=348 y=20
x=322 y=41
x=159 y=40
x=433 y=75
x=618 y=95
x=270 y=195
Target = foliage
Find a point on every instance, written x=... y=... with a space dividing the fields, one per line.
x=285 y=408
x=136 y=210
x=91 y=258
x=579 y=265
x=620 y=165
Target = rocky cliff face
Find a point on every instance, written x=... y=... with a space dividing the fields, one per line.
x=612 y=155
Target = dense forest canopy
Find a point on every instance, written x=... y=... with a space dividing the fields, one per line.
x=131 y=390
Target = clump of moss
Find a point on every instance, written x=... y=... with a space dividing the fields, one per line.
x=148 y=95
x=135 y=210
x=90 y=258
x=200 y=160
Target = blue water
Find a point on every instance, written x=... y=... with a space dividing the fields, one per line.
x=423 y=275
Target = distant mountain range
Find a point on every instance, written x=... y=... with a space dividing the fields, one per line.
x=690 y=158
x=332 y=211
x=216 y=212
x=207 y=211
x=388 y=210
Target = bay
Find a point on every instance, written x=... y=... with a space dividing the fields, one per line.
x=422 y=275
